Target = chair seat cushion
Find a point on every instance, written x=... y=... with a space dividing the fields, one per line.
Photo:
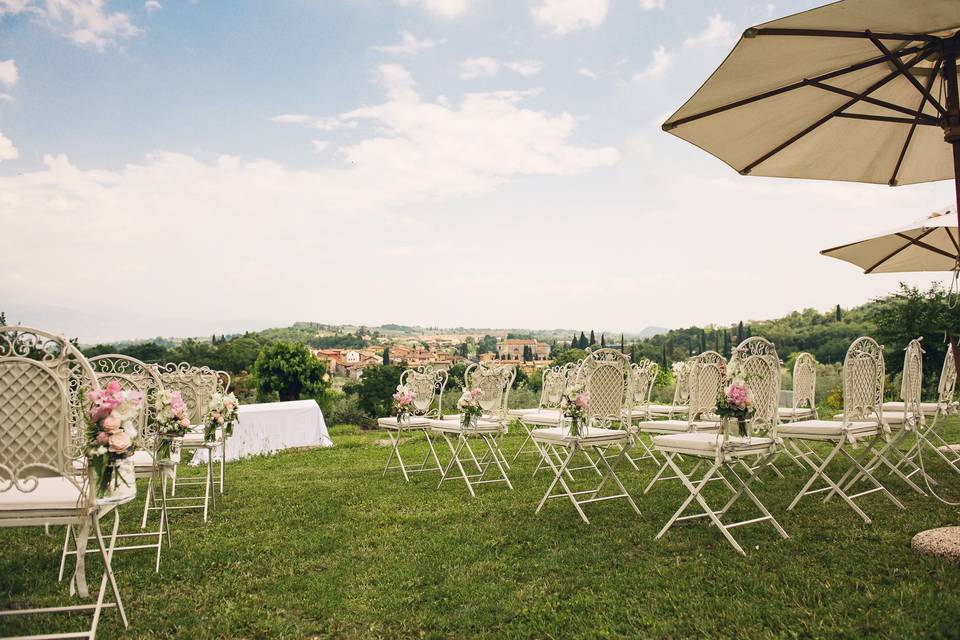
x=53 y=496
x=889 y=417
x=142 y=460
x=928 y=408
x=706 y=444
x=589 y=435
x=547 y=417
x=667 y=409
x=675 y=426
x=194 y=439
x=451 y=424
x=824 y=428
x=789 y=413
x=522 y=412
x=413 y=423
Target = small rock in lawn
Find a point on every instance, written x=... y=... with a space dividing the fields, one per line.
x=942 y=543
x=383 y=442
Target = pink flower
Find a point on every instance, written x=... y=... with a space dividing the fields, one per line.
x=177 y=405
x=218 y=418
x=184 y=422
x=119 y=442
x=582 y=400
x=113 y=387
x=111 y=423
x=103 y=437
x=476 y=393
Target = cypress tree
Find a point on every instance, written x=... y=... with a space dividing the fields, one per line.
x=386 y=356
x=726 y=344
x=593 y=340
x=582 y=343
x=663 y=355
x=603 y=341
x=622 y=350
x=740 y=332
x=574 y=343
x=838 y=314
x=703 y=340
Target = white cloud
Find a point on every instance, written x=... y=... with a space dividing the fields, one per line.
x=409 y=45
x=479 y=68
x=584 y=71
x=84 y=22
x=718 y=31
x=444 y=8
x=152 y=6
x=566 y=16
x=320 y=124
x=650 y=5
x=662 y=59
x=7 y=150
x=525 y=67
x=8 y=73
x=320 y=145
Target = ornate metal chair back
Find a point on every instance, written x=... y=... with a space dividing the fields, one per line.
x=911 y=383
x=863 y=372
x=948 y=378
x=554 y=384
x=643 y=374
x=606 y=377
x=43 y=379
x=805 y=382
x=705 y=380
x=132 y=374
x=681 y=393
x=427 y=386
x=196 y=384
x=712 y=357
x=757 y=359
x=495 y=383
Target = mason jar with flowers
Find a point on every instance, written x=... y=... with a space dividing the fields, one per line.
x=574 y=404
x=222 y=413
x=736 y=402
x=110 y=415
x=403 y=404
x=173 y=421
x=469 y=406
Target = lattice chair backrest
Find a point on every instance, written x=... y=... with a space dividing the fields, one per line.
x=574 y=373
x=681 y=374
x=554 y=384
x=705 y=381
x=42 y=426
x=223 y=379
x=757 y=360
x=863 y=373
x=495 y=383
x=911 y=383
x=606 y=377
x=427 y=386
x=643 y=375
x=132 y=374
x=196 y=384
x=948 y=378
x=805 y=382
x=711 y=357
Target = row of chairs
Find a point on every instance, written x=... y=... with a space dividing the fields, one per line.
x=689 y=442
x=44 y=479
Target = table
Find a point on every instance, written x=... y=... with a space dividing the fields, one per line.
x=273 y=426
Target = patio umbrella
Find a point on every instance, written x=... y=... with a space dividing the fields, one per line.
x=928 y=244
x=857 y=90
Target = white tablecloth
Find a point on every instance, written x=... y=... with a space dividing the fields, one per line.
x=269 y=427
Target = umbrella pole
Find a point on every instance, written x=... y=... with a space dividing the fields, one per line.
x=951 y=128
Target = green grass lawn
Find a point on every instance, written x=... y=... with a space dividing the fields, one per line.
x=317 y=544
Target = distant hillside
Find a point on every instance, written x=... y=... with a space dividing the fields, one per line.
x=649 y=332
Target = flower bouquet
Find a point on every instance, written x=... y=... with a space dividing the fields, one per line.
x=111 y=433
x=172 y=420
x=221 y=413
x=736 y=402
x=403 y=403
x=573 y=405
x=469 y=405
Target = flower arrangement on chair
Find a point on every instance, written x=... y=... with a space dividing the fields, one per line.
x=573 y=405
x=469 y=405
x=221 y=413
x=736 y=400
x=172 y=420
x=403 y=403
x=111 y=433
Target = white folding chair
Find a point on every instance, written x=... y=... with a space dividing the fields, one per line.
x=132 y=374
x=863 y=377
x=548 y=410
x=42 y=431
x=197 y=386
x=426 y=386
x=705 y=380
x=681 y=395
x=643 y=375
x=495 y=383
x=605 y=375
x=757 y=358
x=804 y=397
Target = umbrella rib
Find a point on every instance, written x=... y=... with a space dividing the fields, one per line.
x=956 y=245
x=880 y=103
x=913 y=128
x=928 y=247
x=896 y=251
x=899 y=64
x=830 y=33
x=876 y=85
x=896 y=120
x=790 y=87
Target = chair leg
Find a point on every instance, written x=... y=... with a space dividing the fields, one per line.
x=223 y=461
x=819 y=472
x=558 y=477
x=63 y=556
x=146 y=501
x=206 y=491
x=494 y=449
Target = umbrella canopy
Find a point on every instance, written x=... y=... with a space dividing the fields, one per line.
x=929 y=244
x=857 y=90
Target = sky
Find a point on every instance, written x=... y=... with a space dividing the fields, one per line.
x=172 y=168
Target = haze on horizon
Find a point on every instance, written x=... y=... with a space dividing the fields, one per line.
x=182 y=169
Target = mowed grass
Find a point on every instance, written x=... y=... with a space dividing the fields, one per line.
x=317 y=544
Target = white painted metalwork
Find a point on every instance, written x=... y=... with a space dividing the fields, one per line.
x=555 y=381
x=681 y=396
x=426 y=386
x=757 y=358
x=42 y=433
x=489 y=428
x=605 y=375
x=804 y=401
x=132 y=374
x=863 y=378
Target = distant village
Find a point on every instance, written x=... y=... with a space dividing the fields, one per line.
x=438 y=351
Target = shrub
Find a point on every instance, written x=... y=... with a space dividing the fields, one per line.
x=346 y=410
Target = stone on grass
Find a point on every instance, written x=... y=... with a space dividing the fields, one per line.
x=943 y=542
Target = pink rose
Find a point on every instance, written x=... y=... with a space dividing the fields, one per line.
x=119 y=442
x=218 y=418
x=113 y=387
x=111 y=423
x=103 y=437
x=184 y=422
